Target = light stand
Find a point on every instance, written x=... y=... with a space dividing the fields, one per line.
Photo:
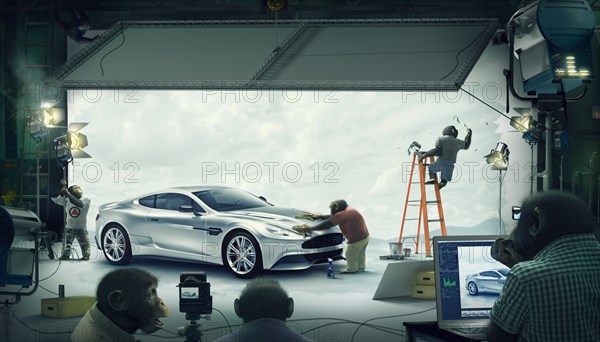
x=500 y=230
x=498 y=159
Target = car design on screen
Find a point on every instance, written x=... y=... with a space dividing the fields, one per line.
x=212 y=224
x=490 y=281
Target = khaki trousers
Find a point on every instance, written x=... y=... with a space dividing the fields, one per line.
x=355 y=255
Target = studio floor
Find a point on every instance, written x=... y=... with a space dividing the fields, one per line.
x=340 y=309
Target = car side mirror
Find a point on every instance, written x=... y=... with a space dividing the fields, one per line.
x=263 y=198
x=186 y=208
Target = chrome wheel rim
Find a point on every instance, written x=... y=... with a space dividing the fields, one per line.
x=241 y=255
x=114 y=244
x=472 y=288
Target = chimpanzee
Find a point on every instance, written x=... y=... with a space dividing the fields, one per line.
x=126 y=301
x=353 y=226
x=552 y=292
x=264 y=306
x=76 y=209
x=446 y=148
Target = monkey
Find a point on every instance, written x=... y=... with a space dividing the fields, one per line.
x=76 y=209
x=353 y=226
x=446 y=149
x=126 y=300
x=264 y=307
x=553 y=288
x=545 y=216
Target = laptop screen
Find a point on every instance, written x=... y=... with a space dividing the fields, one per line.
x=468 y=280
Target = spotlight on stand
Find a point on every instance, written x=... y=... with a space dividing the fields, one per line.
x=525 y=124
x=498 y=158
x=71 y=145
x=51 y=116
x=37 y=129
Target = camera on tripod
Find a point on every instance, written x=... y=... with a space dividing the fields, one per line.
x=194 y=294
x=195 y=300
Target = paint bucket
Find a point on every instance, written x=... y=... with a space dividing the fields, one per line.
x=395 y=248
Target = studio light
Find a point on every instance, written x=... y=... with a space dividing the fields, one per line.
x=37 y=129
x=498 y=157
x=76 y=141
x=522 y=123
x=525 y=124
x=552 y=42
x=71 y=145
x=51 y=117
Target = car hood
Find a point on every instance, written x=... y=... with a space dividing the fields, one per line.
x=278 y=216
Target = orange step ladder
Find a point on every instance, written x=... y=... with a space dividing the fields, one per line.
x=423 y=203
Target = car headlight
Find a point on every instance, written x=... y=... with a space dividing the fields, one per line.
x=280 y=230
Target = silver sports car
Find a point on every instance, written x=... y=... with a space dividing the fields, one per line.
x=491 y=281
x=212 y=224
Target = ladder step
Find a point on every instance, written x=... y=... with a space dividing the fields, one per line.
x=412 y=219
x=42 y=196
x=37 y=23
x=35 y=152
x=32 y=66
x=435 y=220
x=39 y=45
x=414 y=200
x=431 y=202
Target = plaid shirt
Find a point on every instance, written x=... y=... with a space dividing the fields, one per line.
x=556 y=296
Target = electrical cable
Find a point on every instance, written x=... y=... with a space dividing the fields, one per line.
x=162 y=336
x=113 y=50
x=53 y=273
x=39 y=331
x=225 y=318
x=384 y=317
x=399 y=332
x=54 y=293
x=345 y=321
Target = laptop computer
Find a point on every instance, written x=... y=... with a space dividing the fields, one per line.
x=467 y=283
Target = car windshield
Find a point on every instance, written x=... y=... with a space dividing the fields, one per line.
x=504 y=272
x=229 y=199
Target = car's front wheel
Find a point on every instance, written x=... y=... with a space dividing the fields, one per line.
x=242 y=255
x=116 y=245
x=472 y=287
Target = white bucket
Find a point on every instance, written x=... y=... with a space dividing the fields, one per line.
x=395 y=248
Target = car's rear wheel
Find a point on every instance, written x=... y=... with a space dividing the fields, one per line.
x=242 y=255
x=116 y=245
x=472 y=287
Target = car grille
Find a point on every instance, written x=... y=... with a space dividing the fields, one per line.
x=324 y=241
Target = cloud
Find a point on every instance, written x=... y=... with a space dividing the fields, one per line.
x=299 y=149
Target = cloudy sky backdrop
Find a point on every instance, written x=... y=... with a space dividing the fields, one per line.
x=302 y=149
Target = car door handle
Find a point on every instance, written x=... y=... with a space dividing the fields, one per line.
x=154 y=219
